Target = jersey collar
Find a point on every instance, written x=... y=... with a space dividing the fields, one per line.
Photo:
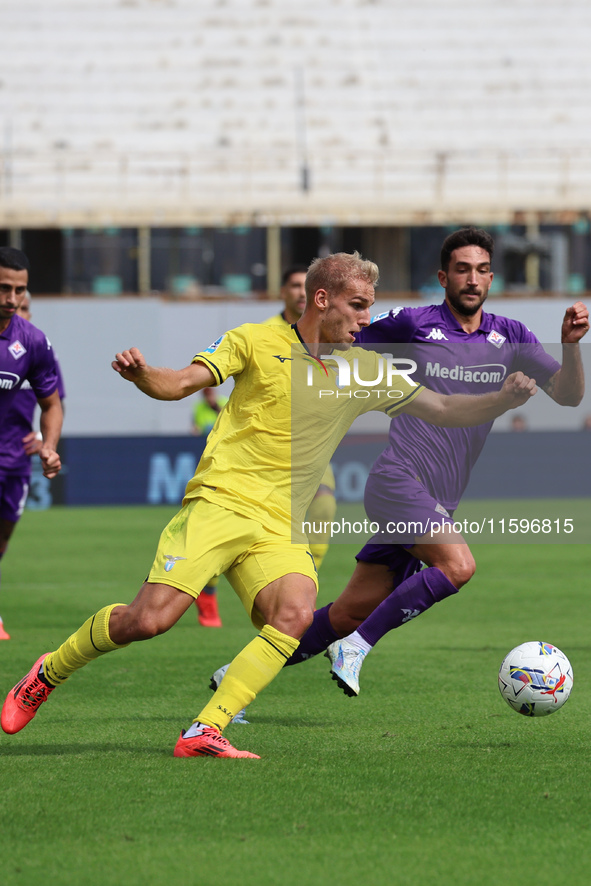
x=294 y=326
x=7 y=333
x=452 y=321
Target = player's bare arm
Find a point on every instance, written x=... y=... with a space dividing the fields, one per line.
x=469 y=410
x=50 y=422
x=567 y=386
x=159 y=382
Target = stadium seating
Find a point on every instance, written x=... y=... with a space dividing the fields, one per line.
x=175 y=112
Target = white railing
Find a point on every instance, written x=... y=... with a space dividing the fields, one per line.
x=230 y=186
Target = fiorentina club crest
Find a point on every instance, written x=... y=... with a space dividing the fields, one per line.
x=496 y=339
x=17 y=349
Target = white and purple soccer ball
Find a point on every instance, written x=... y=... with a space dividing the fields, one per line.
x=535 y=679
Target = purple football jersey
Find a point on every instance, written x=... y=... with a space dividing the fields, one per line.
x=25 y=354
x=451 y=361
x=17 y=423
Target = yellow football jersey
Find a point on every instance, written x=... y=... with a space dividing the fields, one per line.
x=276 y=320
x=327 y=478
x=288 y=411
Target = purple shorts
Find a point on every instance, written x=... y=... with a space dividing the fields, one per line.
x=14 y=489
x=395 y=557
x=405 y=511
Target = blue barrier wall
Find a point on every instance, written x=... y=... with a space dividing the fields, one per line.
x=534 y=464
x=155 y=470
x=128 y=470
x=542 y=464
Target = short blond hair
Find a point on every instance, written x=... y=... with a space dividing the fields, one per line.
x=334 y=272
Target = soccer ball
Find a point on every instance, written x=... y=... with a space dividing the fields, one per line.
x=535 y=679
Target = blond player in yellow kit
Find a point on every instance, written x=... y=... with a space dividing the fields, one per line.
x=323 y=506
x=242 y=507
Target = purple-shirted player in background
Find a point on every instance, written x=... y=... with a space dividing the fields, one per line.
x=421 y=475
x=25 y=356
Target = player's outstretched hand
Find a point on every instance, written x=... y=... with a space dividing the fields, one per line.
x=130 y=364
x=517 y=389
x=51 y=462
x=575 y=324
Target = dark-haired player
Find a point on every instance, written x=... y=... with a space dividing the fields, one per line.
x=26 y=357
x=421 y=475
x=293 y=293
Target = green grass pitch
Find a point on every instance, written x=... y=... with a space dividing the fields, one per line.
x=426 y=778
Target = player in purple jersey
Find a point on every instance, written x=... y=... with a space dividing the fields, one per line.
x=421 y=475
x=18 y=443
x=25 y=357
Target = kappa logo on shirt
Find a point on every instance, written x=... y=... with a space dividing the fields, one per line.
x=496 y=339
x=17 y=349
x=437 y=335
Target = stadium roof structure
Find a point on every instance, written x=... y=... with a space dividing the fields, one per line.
x=351 y=112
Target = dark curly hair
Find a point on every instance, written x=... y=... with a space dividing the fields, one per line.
x=465 y=237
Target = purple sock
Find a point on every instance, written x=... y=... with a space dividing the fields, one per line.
x=317 y=638
x=412 y=597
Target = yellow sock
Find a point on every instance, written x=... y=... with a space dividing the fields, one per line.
x=320 y=514
x=249 y=673
x=89 y=642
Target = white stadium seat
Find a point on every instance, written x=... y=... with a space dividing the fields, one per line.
x=175 y=111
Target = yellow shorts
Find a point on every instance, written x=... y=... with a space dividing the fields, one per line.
x=204 y=540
